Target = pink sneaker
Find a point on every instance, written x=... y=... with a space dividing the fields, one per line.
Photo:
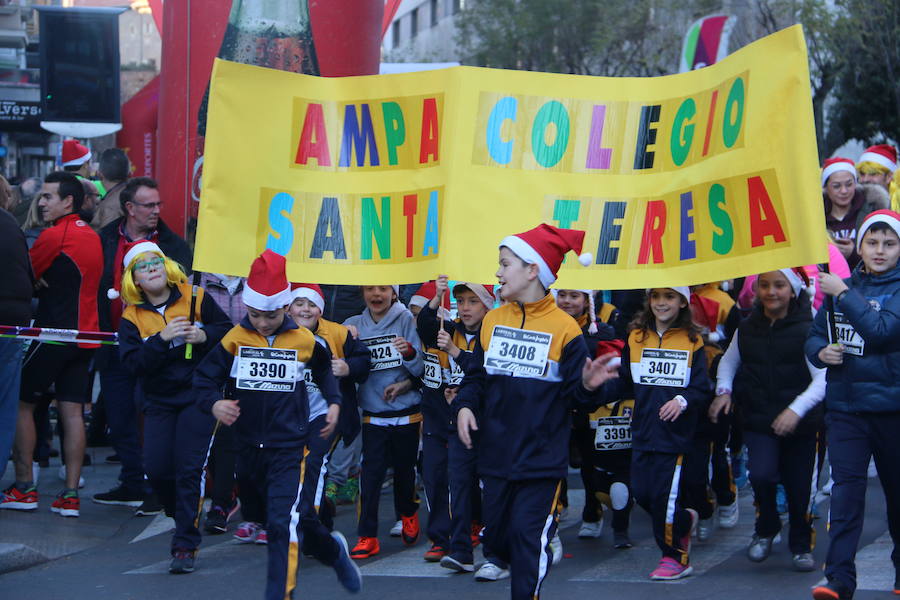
x=685 y=542
x=670 y=569
x=261 y=538
x=248 y=532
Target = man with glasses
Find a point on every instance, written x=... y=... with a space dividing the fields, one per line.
x=67 y=260
x=140 y=203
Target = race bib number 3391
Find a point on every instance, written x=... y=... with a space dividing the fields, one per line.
x=266 y=369
x=518 y=351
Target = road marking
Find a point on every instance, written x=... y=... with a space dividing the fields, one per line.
x=204 y=568
x=874 y=570
x=158 y=525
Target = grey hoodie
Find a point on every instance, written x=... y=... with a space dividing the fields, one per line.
x=387 y=365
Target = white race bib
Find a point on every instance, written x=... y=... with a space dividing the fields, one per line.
x=384 y=355
x=613 y=433
x=311 y=386
x=852 y=342
x=432 y=375
x=518 y=351
x=456 y=372
x=266 y=369
x=667 y=368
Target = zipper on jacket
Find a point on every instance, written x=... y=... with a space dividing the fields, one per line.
x=522 y=306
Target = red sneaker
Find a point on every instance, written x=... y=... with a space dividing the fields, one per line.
x=66 y=505
x=365 y=548
x=435 y=553
x=14 y=499
x=410 y=530
x=476 y=533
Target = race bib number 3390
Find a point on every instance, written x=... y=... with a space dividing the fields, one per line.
x=518 y=351
x=266 y=369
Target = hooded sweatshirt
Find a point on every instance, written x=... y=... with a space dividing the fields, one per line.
x=388 y=366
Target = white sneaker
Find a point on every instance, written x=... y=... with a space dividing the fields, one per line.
x=557 y=549
x=62 y=475
x=704 y=529
x=397 y=529
x=590 y=530
x=728 y=515
x=490 y=572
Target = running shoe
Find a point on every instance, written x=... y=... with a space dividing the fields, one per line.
x=216 y=521
x=15 y=499
x=832 y=590
x=590 y=530
x=119 y=496
x=704 y=529
x=670 y=569
x=247 y=532
x=182 y=562
x=557 y=548
x=458 y=562
x=685 y=542
x=760 y=548
x=366 y=547
x=621 y=541
x=803 y=562
x=476 y=533
x=149 y=507
x=347 y=572
x=62 y=476
x=66 y=504
x=262 y=538
x=435 y=553
x=410 y=529
x=728 y=515
x=397 y=529
x=490 y=572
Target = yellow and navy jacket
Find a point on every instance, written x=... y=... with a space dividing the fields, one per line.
x=161 y=366
x=355 y=353
x=612 y=316
x=649 y=433
x=441 y=370
x=268 y=418
x=524 y=419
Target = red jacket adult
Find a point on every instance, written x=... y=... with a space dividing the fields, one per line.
x=69 y=259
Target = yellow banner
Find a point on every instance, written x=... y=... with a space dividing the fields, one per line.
x=389 y=179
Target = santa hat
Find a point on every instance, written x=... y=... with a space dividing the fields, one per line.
x=425 y=293
x=74 y=154
x=310 y=291
x=485 y=293
x=891 y=218
x=132 y=251
x=882 y=154
x=684 y=290
x=833 y=165
x=545 y=246
x=705 y=312
x=798 y=279
x=267 y=287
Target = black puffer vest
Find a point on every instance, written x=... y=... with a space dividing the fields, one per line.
x=773 y=368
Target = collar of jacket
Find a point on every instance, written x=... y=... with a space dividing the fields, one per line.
x=174 y=296
x=73 y=216
x=862 y=277
x=541 y=308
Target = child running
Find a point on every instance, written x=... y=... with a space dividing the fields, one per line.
x=264 y=359
x=529 y=368
x=664 y=370
x=166 y=329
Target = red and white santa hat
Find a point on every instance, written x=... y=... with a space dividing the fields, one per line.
x=833 y=165
x=881 y=154
x=485 y=293
x=684 y=290
x=425 y=293
x=545 y=246
x=131 y=251
x=891 y=218
x=798 y=279
x=267 y=287
x=310 y=291
x=74 y=154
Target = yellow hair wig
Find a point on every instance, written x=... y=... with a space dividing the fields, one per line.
x=867 y=167
x=131 y=292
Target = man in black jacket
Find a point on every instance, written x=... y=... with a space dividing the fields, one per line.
x=141 y=203
x=15 y=309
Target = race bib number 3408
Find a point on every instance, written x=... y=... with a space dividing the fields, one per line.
x=518 y=351
x=266 y=369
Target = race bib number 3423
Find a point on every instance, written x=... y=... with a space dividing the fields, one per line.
x=518 y=351
x=266 y=369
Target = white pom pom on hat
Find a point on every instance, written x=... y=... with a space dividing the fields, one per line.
x=112 y=293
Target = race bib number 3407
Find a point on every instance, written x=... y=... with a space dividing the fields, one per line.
x=668 y=368
x=266 y=369
x=518 y=351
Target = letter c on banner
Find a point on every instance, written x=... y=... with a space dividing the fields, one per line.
x=499 y=149
x=279 y=209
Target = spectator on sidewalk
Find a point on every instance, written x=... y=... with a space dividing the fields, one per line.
x=113 y=171
x=76 y=158
x=140 y=203
x=15 y=309
x=67 y=261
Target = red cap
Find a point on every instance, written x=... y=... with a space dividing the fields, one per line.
x=545 y=246
x=425 y=293
x=833 y=165
x=310 y=291
x=884 y=215
x=881 y=154
x=74 y=154
x=267 y=286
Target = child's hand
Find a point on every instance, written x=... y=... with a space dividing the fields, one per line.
x=785 y=423
x=177 y=327
x=450 y=394
x=402 y=346
x=721 y=404
x=396 y=389
x=831 y=284
x=445 y=343
x=832 y=354
x=354 y=332
x=465 y=424
x=331 y=420
x=600 y=370
x=441 y=286
x=226 y=411
x=194 y=335
x=844 y=245
x=339 y=367
x=671 y=410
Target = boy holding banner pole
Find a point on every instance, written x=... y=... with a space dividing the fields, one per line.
x=529 y=368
